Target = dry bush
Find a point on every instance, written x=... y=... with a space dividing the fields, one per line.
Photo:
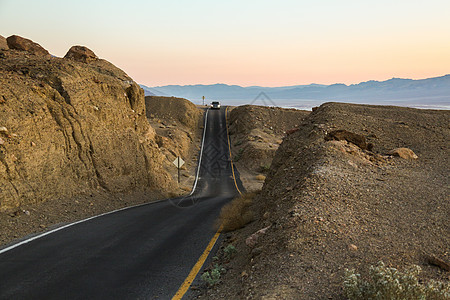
x=260 y=177
x=237 y=213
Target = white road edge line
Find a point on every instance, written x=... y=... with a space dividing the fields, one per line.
x=114 y=211
x=201 y=153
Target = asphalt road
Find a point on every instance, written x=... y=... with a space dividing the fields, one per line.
x=143 y=252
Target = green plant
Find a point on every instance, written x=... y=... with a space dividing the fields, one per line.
x=213 y=277
x=264 y=168
x=239 y=154
x=238 y=143
x=389 y=283
x=229 y=251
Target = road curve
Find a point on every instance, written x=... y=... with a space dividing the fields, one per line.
x=143 y=252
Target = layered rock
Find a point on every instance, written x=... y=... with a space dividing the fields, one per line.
x=71 y=127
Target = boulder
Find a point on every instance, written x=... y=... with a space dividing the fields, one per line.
x=404 y=153
x=3 y=43
x=81 y=53
x=22 y=44
x=354 y=138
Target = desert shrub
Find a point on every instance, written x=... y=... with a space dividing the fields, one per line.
x=213 y=277
x=260 y=177
x=229 y=251
x=238 y=143
x=389 y=283
x=237 y=213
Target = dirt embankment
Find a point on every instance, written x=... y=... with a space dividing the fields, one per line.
x=328 y=205
x=178 y=124
x=255 y=135
x=74 y=139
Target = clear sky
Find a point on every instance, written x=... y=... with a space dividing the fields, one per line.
x=245 y=42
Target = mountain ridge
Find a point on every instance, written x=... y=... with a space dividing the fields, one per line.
x=437 y=88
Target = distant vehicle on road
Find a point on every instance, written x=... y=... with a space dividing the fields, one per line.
x=215 y=105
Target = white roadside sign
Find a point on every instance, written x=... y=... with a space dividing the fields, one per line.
x=178 y=162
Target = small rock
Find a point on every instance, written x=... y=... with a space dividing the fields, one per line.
x=352 y=247
x=251 y=240
x=257 y=251
x=33 y=144
x=42 y=226
x=3 y=129
x=26 y=212
x=404 y=153
x=1 y=141
x=291 y=131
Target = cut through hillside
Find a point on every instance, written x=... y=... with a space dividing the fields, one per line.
x=255 y=135
x=178 y=125
x=75 y=140
x=327 y=205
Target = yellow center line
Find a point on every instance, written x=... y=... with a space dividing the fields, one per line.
x=190 y=278
x=198 y=265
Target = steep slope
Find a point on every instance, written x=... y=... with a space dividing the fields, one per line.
x=328 y=204
x=71 y=126
x=178 y=124
x=255 y=134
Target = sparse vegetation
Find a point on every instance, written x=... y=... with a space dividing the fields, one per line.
x=213 y=277
x=389 y=283
x=260 y=177
x=264 y=168
x=237 y=213
x=229 y=251
x=239 y=154
x=238 y=143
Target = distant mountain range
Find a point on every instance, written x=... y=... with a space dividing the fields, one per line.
x=419 y=92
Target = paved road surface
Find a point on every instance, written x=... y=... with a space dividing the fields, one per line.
x=144 y=252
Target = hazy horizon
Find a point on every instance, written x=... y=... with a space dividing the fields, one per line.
x=251 y=43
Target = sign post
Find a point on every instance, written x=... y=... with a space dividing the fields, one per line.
x=203 y=100
x=178 y=162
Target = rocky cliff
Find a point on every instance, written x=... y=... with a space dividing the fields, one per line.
x=71 y=125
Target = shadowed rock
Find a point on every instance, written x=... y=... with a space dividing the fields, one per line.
x=81 y=53
x=22 y=44
x=350 y=137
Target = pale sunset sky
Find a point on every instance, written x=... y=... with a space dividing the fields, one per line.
x=245 y=42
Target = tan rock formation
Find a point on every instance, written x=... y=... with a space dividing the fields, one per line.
x=81 y=53
x=404 y=153
x=3 y=43
x=71 y=127
x=19 y=43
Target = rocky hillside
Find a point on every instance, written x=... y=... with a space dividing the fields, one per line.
x=255 y=134
x=178 y=124
x=71 y=125
x=356 y=184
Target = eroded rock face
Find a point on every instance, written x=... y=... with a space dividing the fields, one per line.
x=19 y=43
x=3 y=43
x=71 y=128
x=357 y=139
x=81 y=53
